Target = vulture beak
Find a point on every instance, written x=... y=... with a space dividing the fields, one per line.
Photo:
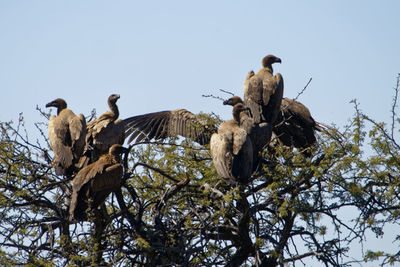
x=50 y=104
x=278 y=60
x=226 y=102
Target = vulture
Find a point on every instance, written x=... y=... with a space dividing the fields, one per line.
x=103 y=132
x=294 y=125
x=259 y=133
x=232 y=150
x=95 y=182
x=67 y=137
x=263 y=91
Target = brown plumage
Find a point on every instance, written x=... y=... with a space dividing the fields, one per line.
x=103 y=132
x=259 y=133
x=95 y=182
x=263 y=91
x=232 y=150
x=295 y=126
x=163 y=124
x=67 y=137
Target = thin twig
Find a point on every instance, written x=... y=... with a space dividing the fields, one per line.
x=217 y=97
x=305 y=87
x=213 y=96
x=227 y=92
x=396 y=93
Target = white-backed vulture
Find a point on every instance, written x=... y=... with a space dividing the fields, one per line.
x=259 y=133
x=103 y=132
x=231 y=149
x=67 y=133
x=263 y=91
x=95 y=182
x=295 y=126
x=163 y=124
x=233 y=165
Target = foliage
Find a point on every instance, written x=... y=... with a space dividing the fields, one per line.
x=172 y=208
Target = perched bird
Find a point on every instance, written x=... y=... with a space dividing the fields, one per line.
x=259 y=133
x=232 y=150
x=67 y=137
x=263 y=91
x=103 y=132
x=294 y=125
x=93 y=183
x=232 y=166
x=163 y=124
x=246 y=117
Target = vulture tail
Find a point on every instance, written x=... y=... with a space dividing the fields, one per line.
x=331 y=131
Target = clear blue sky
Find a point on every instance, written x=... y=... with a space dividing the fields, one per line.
x=161 y=55
x=165 y=54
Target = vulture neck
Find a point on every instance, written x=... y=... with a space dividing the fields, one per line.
x=115 y=158
x=60 y=108
x=111 y=158
x=236 y=115
x=269 y=68
x=114 y=110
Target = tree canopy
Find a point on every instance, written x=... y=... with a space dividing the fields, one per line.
x=173 y=210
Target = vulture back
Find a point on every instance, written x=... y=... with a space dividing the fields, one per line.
x=232 y=152
x=263 y=91
x=295 y=125
x=95 y=182
x=66 y=133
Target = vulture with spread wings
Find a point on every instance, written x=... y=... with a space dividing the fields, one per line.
x=231 y=137
x=67 y=137
x=95 y=182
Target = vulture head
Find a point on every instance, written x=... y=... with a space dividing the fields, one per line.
x=112 y=99
x=59 y=103
x=116 y=150
x=269 y=60
x=233 y=101
x=237 y=109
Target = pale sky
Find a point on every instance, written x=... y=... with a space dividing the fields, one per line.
x=161 y=55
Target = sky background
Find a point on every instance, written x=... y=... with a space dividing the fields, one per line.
x=161 y=55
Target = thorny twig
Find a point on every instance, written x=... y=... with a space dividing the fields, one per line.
x=217 y=97
x=303 y=90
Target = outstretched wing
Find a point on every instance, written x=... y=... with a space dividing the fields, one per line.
x=163 y=124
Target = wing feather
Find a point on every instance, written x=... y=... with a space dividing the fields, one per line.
x=272 y=96
x=58 y=133
x=159 y=125
x=96 y=180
